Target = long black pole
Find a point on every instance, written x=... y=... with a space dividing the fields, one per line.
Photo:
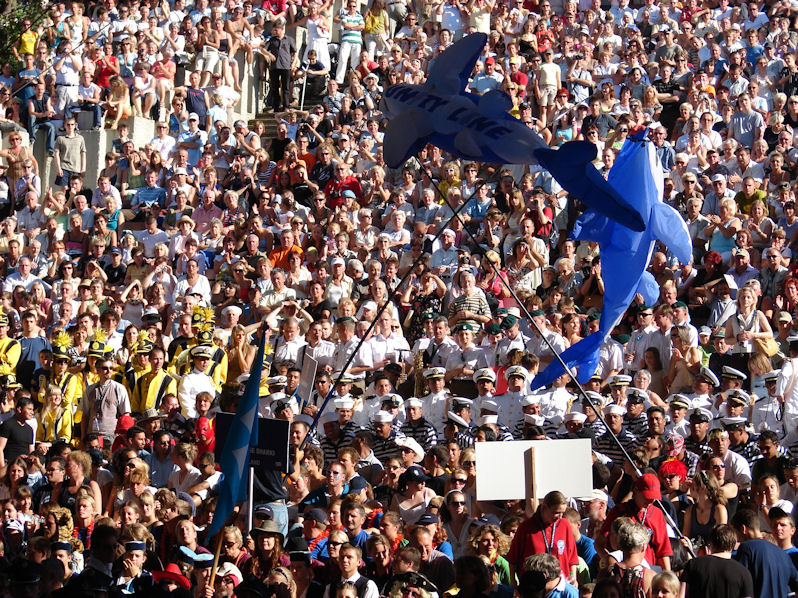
x=391 y=295
x=581 y=391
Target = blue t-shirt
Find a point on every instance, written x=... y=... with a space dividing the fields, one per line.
x=27 y=92
x=585 y=547
x=771 y=568
x=563 y=590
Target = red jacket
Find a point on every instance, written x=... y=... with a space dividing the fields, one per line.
x=531 y=539
x=651 y=518
x=335 y=188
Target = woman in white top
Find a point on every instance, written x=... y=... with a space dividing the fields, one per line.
x=187 y=476
x=768 y=497
x=413 y=496
x=457 y=521
x=744 y=327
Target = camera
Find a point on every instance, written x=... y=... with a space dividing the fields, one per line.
x=578 y=56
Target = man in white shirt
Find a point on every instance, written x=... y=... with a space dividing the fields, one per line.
x=786 y=387
x=347 y=343
x=513 y=339
x=387 y=346
x=196 y=381
x=163 y=142
x=316 y=347
x=348 y=562
x=288 y=345
x=278 y=295
x=103 y=191
x=23 y=277
x=151 y=236
x=444 y=260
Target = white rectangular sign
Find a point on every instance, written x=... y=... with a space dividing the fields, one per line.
x=507 y=470
x=306 y=380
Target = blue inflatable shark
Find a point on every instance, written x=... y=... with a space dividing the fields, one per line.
x=470 y=126
x=637 y=178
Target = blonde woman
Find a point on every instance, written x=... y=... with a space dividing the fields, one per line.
x=746 y=326
x=55 y=421
x=117 y=106
x=685 y=361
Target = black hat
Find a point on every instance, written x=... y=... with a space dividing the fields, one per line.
x=317 y=515
x=394 y=368
x=428 y=519
x=296 y=543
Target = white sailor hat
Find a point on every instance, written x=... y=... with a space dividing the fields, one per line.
x=489 y=419
x=575 y=416
x=739 y=397
x=303 y=418
x=701 y=414
x=679 y=401
x=327 y=417
x=414 y=402
x=344 y=403
x=202 y=351
x=460 y=403
x=345 y=378
x=382 y=417
x=620 y=380
x=411 y=443
x=432 y=373
x=733 y=422
x=613 y=409
x=530 y=400
x=453 y=418
x=636 y=395
x=489 y=405
x=516 y=370
x=596 y=397
x=534 y=419
x=730 y=372
x=484 y=374
x=277 y=381
x=772 y=375
x=275 y=396
x=708 y=376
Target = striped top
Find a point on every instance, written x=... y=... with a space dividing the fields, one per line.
x=350 y=35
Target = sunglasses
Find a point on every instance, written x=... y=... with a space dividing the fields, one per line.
x=469 y=463
x=458 y=503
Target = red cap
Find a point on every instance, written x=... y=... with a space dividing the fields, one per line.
x=648 y=486
x=123 y=424
x=490 y=60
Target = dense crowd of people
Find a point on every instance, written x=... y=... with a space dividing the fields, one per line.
x=429 y=297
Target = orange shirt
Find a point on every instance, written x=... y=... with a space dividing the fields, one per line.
x=279 y=257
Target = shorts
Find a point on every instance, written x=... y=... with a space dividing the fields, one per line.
x=63 y=180
x=548 y=93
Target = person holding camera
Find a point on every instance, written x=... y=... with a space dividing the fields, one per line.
x=580 y=81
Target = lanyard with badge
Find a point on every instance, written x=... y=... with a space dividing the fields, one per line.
x=549 y=543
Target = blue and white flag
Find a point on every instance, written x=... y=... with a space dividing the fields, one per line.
x=242 y=436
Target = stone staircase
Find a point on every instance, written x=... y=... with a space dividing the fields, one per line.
x=142 y=130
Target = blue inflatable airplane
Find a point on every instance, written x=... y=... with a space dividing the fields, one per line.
x=474 y=127
x=637 y=178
